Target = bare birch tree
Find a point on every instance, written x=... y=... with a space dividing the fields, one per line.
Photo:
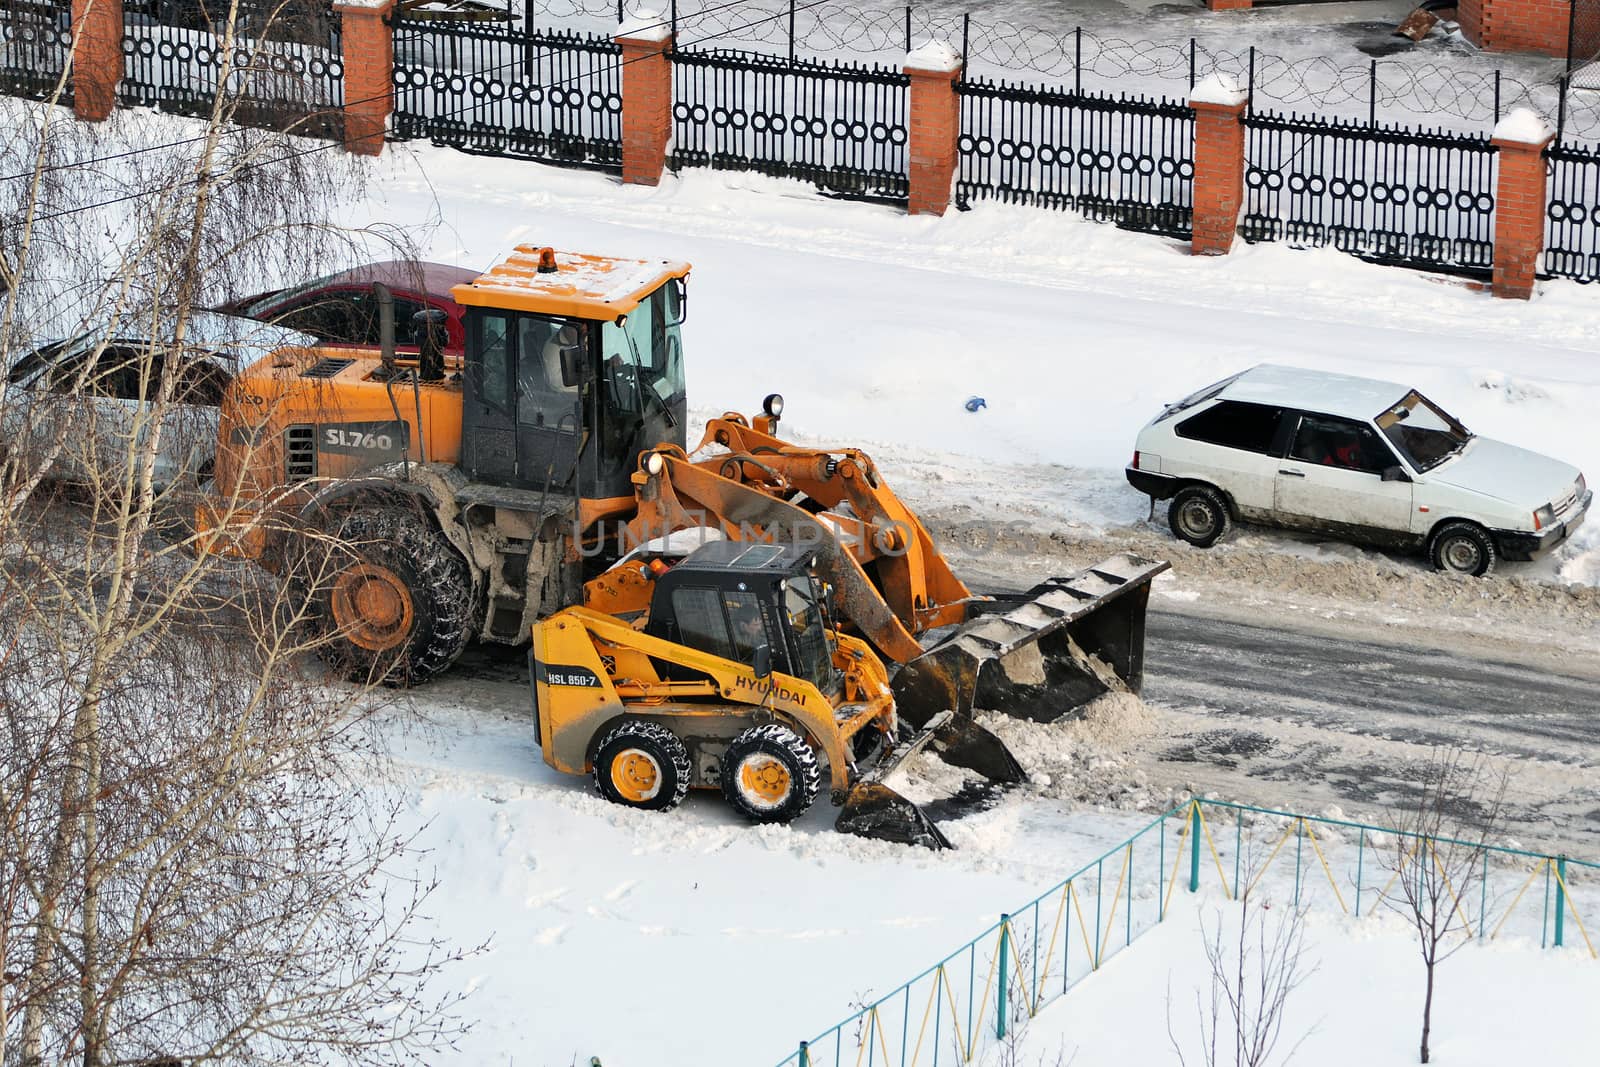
x=1437 y=860
x=1256 y=958
x=197 y=850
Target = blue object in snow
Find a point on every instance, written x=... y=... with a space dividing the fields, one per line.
x=975 y=402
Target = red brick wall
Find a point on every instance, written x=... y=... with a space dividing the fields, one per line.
x=1519 y=212
x=932 y=146
x=1218 y=176
x=1516 y=25
x=97 y=60
x=368 y=76
x=646 y=108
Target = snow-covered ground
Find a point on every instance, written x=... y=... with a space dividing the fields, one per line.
x=690 y=937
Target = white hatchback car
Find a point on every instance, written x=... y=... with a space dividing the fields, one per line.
x=1359 y=459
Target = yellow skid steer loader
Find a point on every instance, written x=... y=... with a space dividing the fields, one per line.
x=727 y=671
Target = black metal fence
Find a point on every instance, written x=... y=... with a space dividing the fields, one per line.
x=1124 y=160
x=286 y=72
x=35 y=40
x=1572 y=213
x=839 y=125
x=496 y=88
x=1392 y=195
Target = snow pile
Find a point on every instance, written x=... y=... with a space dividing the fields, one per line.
x=1088 y=756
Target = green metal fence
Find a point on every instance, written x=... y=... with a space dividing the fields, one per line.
x=962 y=1007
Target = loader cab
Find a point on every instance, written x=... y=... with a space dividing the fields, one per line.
x=573 y=366
x=732 y=598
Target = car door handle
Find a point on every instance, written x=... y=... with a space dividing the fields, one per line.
x=1290 y=473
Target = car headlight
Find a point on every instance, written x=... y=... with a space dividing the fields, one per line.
x=1545 y=516
x=1582 y=485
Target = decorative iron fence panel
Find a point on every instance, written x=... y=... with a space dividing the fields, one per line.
x=35 y=40
x=1121 y=160
x=497 y=89
x=288 y=75
x=1387 y=194
x=840 y=125
x=1572 y=214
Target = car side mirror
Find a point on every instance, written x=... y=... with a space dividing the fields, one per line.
x=761 y=661
x=1395 y=474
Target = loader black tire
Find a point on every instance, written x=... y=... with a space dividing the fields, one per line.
x=770 y=774
x=1462 y=548
x=1199 y=515
x=392 y=601
x=642 y=764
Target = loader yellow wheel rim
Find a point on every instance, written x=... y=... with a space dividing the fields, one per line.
x=765 y=781
x=635 y=775
x=372 y=607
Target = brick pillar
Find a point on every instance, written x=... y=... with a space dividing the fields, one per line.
x=935 y=127
x=368 y=73
x=646 y=96
x=1218 y=164
x=1519 y=202
x=1227 y=5
x=97 y=58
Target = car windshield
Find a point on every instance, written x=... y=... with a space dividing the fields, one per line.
x=1423 y=433
x=808 y=624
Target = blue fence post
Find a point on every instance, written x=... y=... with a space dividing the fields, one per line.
x=1561 y=897
x=1000 y=998
x=805 y=1054
x=1194 y=846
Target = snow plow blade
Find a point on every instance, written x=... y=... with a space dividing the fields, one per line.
x=872 y=809
x=1040 y=654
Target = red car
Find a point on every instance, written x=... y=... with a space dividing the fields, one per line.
x=340 y=309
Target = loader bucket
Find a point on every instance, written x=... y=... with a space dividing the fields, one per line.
x=1041 y=654
x=873 y=809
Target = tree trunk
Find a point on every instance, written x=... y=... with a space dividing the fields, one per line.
x=1427 y=1013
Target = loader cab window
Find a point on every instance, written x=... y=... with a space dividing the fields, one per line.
x=550 y=358
x=700 y=622
x=493 y=371
x=813 y=646
x=644 y=355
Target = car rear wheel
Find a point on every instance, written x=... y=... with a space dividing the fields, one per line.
x=1199 y=515
x=1463 y=548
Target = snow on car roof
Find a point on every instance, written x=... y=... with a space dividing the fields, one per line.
x=1314 y=390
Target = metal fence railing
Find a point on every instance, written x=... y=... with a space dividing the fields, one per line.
x=1572 y=213
x=1411 y=198
x=964 y=1006
x=499 y=88
x=1125 y=160
x=841 y=126
x=285 y=75
x=35 y=41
